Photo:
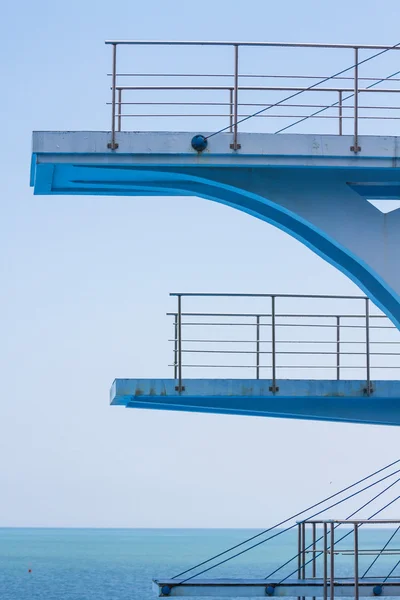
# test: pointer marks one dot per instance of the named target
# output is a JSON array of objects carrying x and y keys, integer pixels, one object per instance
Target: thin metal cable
[
  {"x": 283, "y": 530},
  {"x": 336, "y": 526},
  {"x": 334, "y": 104},
  {"x": 311, "y": 87},
  {"x": 394, "y": 568},
  {"x": 380, "y": 553},
  {"x": 288, "y": 519},
  {"x": 350, "y": 532}
]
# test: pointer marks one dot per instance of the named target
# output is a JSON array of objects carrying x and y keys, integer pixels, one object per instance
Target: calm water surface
[{"x": 111, "y": 564}]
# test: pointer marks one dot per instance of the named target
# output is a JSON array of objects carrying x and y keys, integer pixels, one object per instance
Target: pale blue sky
[{"x": 86, "y": 283}]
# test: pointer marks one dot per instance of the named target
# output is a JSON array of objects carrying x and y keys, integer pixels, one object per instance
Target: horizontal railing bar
[
  {"x": 298, "y": 353},
  {"x": 321, "y": 326},
  {"x": 252, "y": 88},
  {"x": 286, "y": 315},
  {"x": 355, "y": 367},
  {"x": 250, "y": 76},
  {"x": 268, "y": 116},
  {"x": 282, "y": 342},
  {"x": 354, "y": 521},
  {"x": 252, "y": 44},
  {"x": 257, "y": 104},
  {"x": 234, "y": 295}
]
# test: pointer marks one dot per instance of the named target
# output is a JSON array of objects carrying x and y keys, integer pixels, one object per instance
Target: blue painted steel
[
  {"x": 343, "y": 401},
  {"x": 377, "y": 590},
  {"x": 311, "y": 187}
]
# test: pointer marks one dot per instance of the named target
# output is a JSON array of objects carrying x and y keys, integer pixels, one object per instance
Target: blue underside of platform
[
  {"x": 165, "y": 164},
  {"x": 321, "y": 400}
]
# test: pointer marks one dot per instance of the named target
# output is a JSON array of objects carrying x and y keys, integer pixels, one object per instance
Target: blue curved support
[{"x": 308, "y": 186}]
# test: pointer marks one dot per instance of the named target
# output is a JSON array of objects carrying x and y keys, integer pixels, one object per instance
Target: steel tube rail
[
  {"x": 179, "y": 386},
  {"x": 368, "y": 365},
  {"x": 255, "y": 44},
  {"x": 258, "y": 347},
  {"x": 356, "y": 589},
  {"x": 266, "y": 88},
  {"x": 112, "y": 145},
  {"x": 332, "y": 562},
  {"x": 355, "y": 148},
  {"x": 235, "y": 145},
  {"x": 325, "y": 576}
]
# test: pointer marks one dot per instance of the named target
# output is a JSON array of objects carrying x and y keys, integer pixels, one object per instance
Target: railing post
[
  {"x": 235, "y": 145},
  {"x": 314, "y": 552},
  {"x": 175, "y": 345},
  {"x": 113, "y": 145},
  {"x": 355, "y": 148},
  {"x": 356, "y": 591},
  {"x": 179, "y": 388},
  {"x": 299, "y": 548},
  {"x": 367, "y": 347},
  {"x": 325, "y": 578},
  {"x": 119, "y": 108},
  {"x": 258, "y": 347},
  {"x": 230, "y": 110},
  {"x": 337, "y": 348},
  {"x": 340, "y": 112},
  {"x": 303, "y": 553},
  {"x": 332, "y": 565},
  {"x": 273, "y": 387}
]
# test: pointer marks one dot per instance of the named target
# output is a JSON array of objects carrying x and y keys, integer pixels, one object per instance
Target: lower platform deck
[
  {"x": 261, "y": 588},
  {"x": 322, "y": 400}
]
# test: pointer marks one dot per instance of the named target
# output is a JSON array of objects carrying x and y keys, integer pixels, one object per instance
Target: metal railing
[
  {"x": 236, "y": 96},
  {"x": 283, "y": 336},
  {"x": 319, "y": 539}
]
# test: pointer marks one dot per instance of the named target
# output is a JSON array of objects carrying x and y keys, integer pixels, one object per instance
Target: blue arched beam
[
  {"x": 343, "y": 401},
  {"x": 124, "y": 180},
  {"x": 134, "y": 181}
]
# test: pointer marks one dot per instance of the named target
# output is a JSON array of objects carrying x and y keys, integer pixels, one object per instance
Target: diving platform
[
  {"x": 319, "y": 573},
  {"x": 260, "y": 588},
  {"x": 313, "y": 154},
  {"x": 319, "y": 400},
  {"x": 327, "y": 358}
]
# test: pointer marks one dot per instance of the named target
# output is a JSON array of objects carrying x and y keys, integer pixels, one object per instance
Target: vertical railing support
[
  {"x": 325, "y": 577},
  {"x": 180, "y": 388},
  {"x": 113, "y": 145},
  {"x": 175, "y": 345},
  {"x": 235, "y": 145},
  {"x": 340, "y": 104},
  {"x": 356, "y": 590},
  {"x": 314, "y": 551},
  {"x": 299, "y": 551},
  {"x": 368, "y": 389},
  {"x": 303, "y": 553},
  {"x": 355, "y": 148},
  {"x": 119, "y": 109},
  {"x": 332, "y": 563},
  {"x": 337, "y": 348},
  {"x": 258, "y": 347},
  {"x": 230, "y": 110},
  {"x": 273, "y": 387}
]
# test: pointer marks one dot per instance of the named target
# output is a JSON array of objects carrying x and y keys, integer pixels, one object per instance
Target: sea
[{"x": 119, "y": 564}]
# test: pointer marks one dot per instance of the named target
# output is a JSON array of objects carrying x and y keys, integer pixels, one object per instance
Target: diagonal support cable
[
  {"x": 336, "y": 526},
  {"x": 382, "y": 550},
  {"x": 265, "y": 531},
  {"x": 317, "y": 112},
  {"x": 280, "y": 532},
  {"x": 311, "y": 87}
]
